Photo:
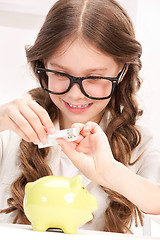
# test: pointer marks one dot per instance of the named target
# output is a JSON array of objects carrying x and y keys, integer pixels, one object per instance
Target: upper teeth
[{"x": 78, "y": 106}]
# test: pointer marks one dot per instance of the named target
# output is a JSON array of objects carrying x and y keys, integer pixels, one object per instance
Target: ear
[
  {"x": 28, "y": 186},
  {"x": 123, "y": 73},
  {"x": 76, "y": 184}
]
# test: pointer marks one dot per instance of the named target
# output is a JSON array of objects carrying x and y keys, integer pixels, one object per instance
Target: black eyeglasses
[{"x": 93, "y": 87}]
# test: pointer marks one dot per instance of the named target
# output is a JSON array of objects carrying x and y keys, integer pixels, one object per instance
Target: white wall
[
  {"x": 19, "y": 25},
  {"x": 20, "y": 22},
  {"x": 148, "y": 33}
]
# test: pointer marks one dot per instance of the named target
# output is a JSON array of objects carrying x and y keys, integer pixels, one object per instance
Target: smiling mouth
[{"x": 79, "y": 106}]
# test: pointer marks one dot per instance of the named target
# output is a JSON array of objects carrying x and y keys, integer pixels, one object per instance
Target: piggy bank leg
[
  {"x": 40, "y": 227},
  {"x": 71, "y": 229}
]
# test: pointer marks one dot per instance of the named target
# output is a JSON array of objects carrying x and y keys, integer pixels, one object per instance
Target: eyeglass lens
[{"x": 97, "y": 88}]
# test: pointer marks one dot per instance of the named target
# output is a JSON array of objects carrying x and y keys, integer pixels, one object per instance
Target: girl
[{"x": 87, "y": 60}]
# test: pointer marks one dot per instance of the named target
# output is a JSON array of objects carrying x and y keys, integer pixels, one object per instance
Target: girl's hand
[
  {"x": 92, "y": 155},
  {"x": 91, "y": 152},
  {"x": 27, "y": 118}
]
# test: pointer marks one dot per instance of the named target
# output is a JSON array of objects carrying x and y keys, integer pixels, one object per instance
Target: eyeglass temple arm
[
  {"x": 38, "y": 64},
  {"x": 122, "y": 73}
]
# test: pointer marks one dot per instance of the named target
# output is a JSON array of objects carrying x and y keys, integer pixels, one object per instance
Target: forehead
[{"x": 81, "y": 54}]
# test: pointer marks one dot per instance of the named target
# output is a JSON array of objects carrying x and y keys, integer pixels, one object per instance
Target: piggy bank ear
[
  {"x": 27, "y": 187},
  {"x": 76, "y": 184}
]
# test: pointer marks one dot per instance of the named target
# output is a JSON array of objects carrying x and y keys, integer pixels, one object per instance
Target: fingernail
[
  {"x": 52, "y": 130},
  {"x": 44, "y": 140},
  {"x": 86, "y": 127},
  {"x": 37, "y": 141}
]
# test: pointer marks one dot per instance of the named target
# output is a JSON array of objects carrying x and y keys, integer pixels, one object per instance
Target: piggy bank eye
[{"x": 84, "y": 189}]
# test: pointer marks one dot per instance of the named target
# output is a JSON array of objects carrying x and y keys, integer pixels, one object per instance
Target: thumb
[{"x": 68, "y": 148}]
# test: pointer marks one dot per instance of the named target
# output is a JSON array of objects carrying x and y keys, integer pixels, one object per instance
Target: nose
[{"x": 75, "y": 92}]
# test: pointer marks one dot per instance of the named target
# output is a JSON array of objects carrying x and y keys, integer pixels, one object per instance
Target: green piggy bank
[{"x": 58, "y": 202}]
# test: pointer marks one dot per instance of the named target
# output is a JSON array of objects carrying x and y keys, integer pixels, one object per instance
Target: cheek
[
  {"x": 54, "y": 98},
  {"x": 101, "y": 105}
]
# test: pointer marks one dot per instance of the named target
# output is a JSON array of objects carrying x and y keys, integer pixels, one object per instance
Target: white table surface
[{"x": 23, "y": 232}]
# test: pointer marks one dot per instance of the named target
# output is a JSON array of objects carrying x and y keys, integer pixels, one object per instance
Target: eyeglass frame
[{"x": 115, "y": 81}]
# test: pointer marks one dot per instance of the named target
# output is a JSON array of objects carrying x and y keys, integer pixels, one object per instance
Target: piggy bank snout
[{"x": 92, "y": 203}]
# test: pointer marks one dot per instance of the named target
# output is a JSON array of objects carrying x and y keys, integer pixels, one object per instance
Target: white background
[{"x": 20, "y": 21}]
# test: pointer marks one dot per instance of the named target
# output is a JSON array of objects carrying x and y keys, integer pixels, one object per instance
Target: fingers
[
  {"x": 91, "y": 127},
  {"x": 86, "y": 129},
  {"x": 79, "y": 127},
  {"x": 35, "y": 120},
  {"x": 43, "y": 116},
  {"x": 21, "y": 126},
  {"x": 68, "y": 148},
  {"x": 28, "y": 119},
  {"x": 16, "y": 129},
  {"x": 31, "y": 119}
]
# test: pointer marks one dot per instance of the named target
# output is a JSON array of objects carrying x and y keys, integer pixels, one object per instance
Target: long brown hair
[{"x": 105, "y": 25}]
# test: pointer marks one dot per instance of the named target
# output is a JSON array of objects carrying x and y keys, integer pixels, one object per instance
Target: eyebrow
[{"x": 88, "y": 70}]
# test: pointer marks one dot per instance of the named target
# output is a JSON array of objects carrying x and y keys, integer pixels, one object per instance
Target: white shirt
[{"x": 148, "y": 166}]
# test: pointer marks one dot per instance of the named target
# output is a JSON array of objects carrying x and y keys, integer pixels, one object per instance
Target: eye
[{"x": 59, "y": 73}]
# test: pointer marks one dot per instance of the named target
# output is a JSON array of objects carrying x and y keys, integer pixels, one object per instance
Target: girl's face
[{"x": 80, "y": 59}]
